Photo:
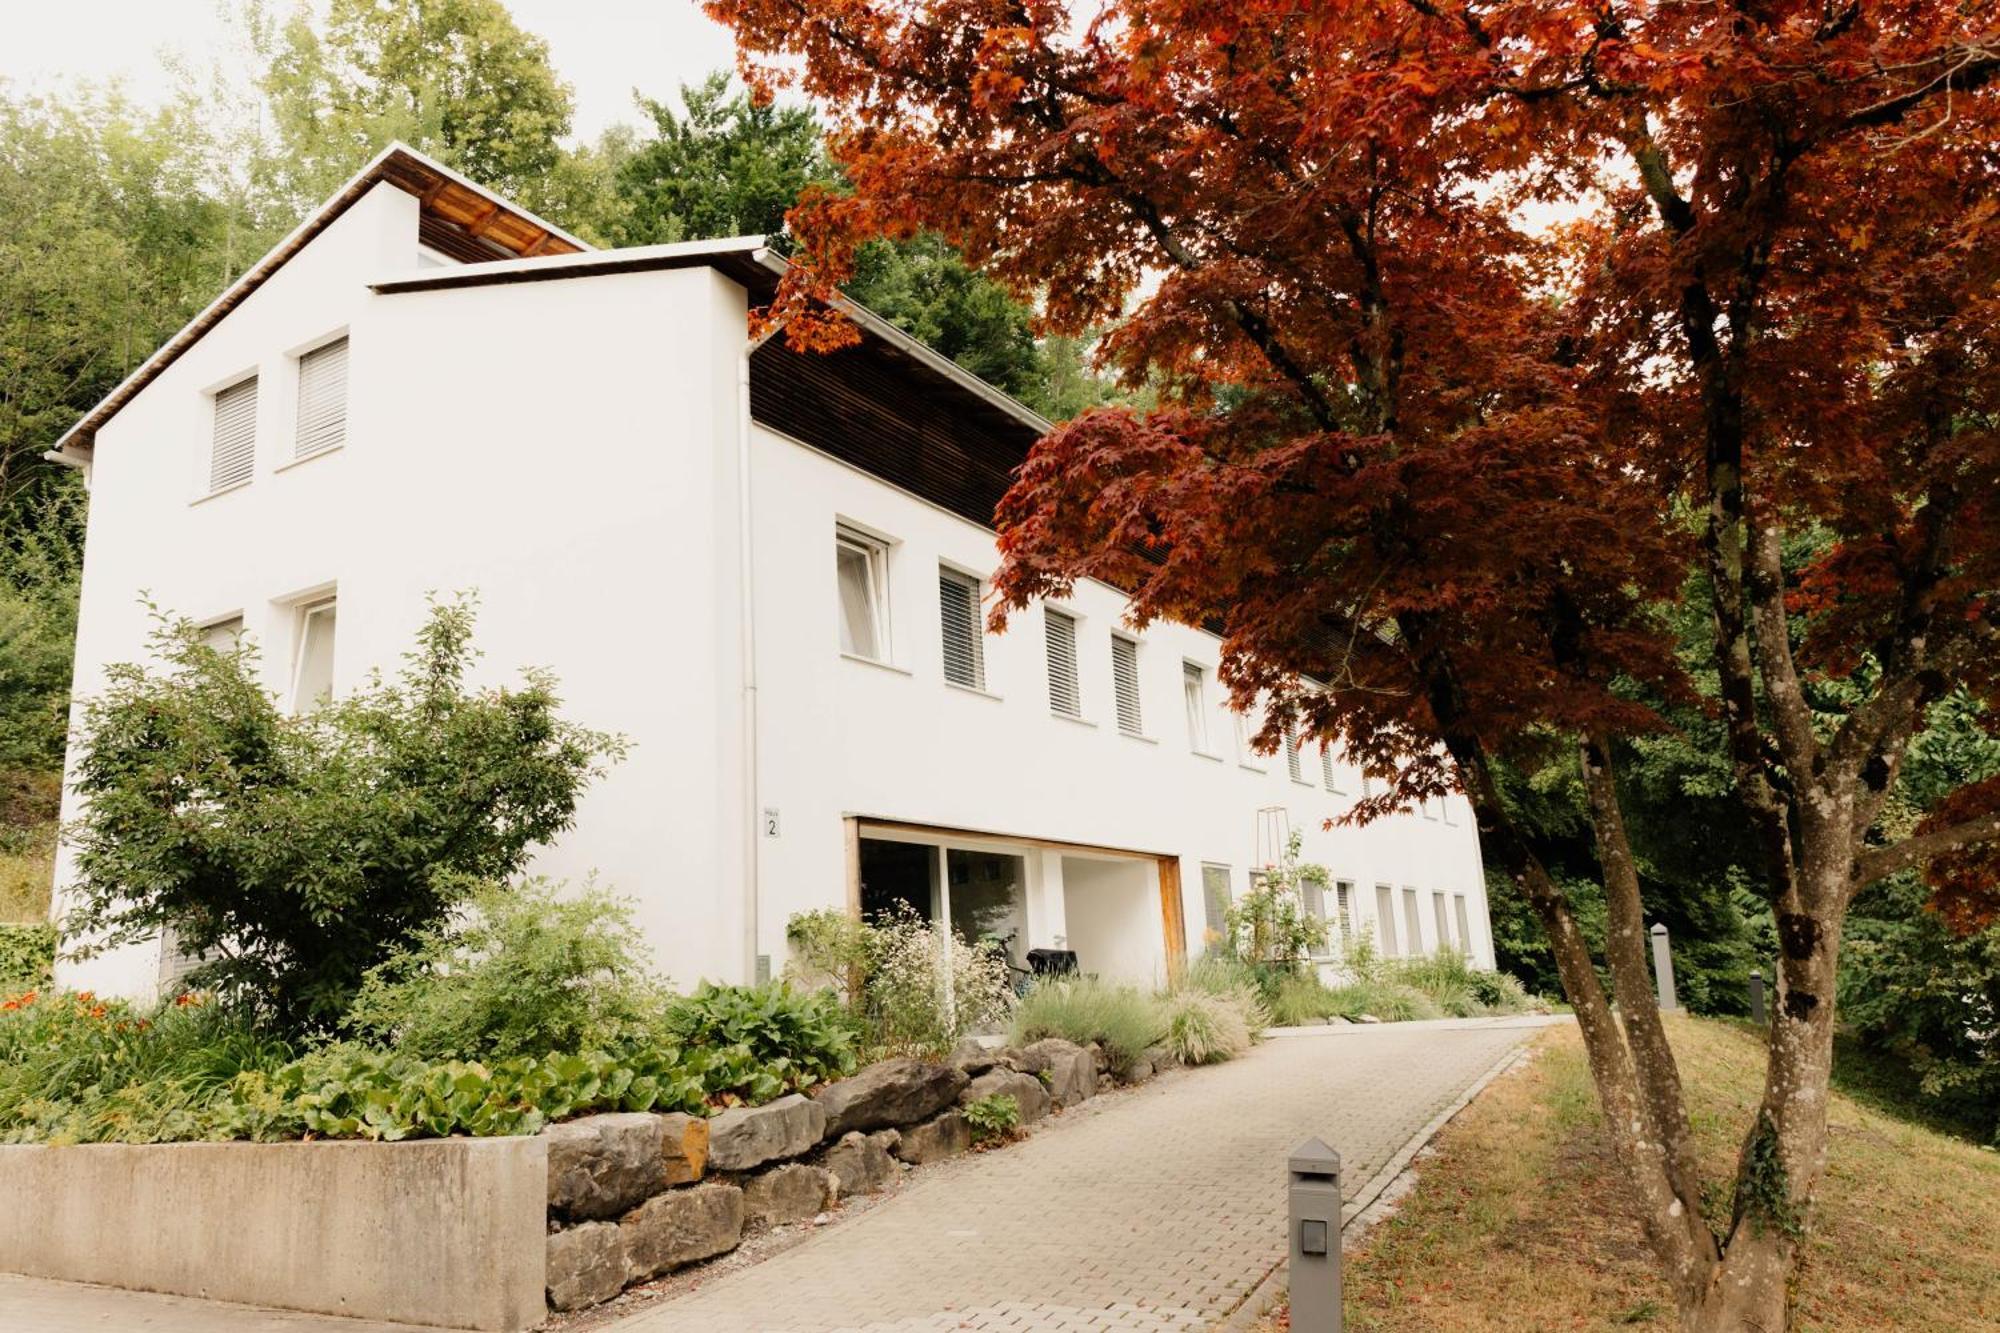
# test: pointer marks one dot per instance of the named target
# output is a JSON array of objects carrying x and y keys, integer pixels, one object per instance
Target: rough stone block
[
  {"x": 861, "y": 1164},
  {"x": 974, "y": 1057},
  {"x": 604, "y": 1165},
  {"x": 784, "y": 1194},
  {"x": 586, "y": 1265},
  {"x": 746, "y": 1137},
  {"x": 1072, "y": 1073},
  {"x": 672, "y": 1230},
  {"x": 940, "y": 1137},
  {"x": 1030, "y": 1097},
  {"x": 684, "y": 1142},
  {"x": 893, "y": 1092}
]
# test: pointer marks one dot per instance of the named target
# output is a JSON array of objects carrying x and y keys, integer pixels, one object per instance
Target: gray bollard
[
  {"x": 1315, "y": 1240},
  {"x": 1663, "y": 969},
  {"x": 1757, "y": 1014}
]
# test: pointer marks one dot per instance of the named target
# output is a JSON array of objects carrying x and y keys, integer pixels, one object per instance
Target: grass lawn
[{"x": 1515, "y": 1223}]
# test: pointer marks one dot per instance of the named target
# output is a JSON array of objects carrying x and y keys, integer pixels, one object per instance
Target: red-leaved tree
[{"x": 1477, "y": 327}]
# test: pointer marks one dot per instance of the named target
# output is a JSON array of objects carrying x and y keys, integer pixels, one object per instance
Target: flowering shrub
[{"x": 922, "y": 993}]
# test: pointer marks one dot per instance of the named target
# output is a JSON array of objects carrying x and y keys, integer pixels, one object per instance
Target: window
[
  {"x": 312, "y": 665},
  {"x": 1292, "y": 763},
  {"x": 1328, "y": 777},
  {"x": 1464, "y": 925},
  {"x": 1245, "y": 753},
  {"x": 1413, "y": 925},
  {"x": 1125, "y": 685},
  {"x": 1065, "y": 694},
  {"x": 1343, "y": 905},
  {"x": 1312, "y": 896},
  {"x": 1431, "y": 805},
  {"x": 861, "y": 567},
  {"x": 233, "y": 454},
  {"x": 1443, "y": 921},
  {"x": 1195, "y": 693},
  {"x": 964, "y": 651},
  {"x": 1385, "y": 919},
  {"x": 322, "y": 400},
  {"x": 222, "y": 634},
  {"x": 1215, "y": 899},
  {"x": 1450, "y": 811}
]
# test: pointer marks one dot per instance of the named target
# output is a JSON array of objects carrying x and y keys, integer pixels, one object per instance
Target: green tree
[
  {"x": 297, "y": 852},
  {"x": 722, "y": 166},
  {"x": 458, "y": 79}
]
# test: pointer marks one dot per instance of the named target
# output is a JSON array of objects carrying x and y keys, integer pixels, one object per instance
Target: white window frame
[
  {"x": 874, "y": 552},
  {"x": 1246, "y": 754},
  {"x": 1194, "y": 696},
  {"x": 1328, "y": 771},
  {"x": 302, "y": 619},
  {"x": 975, "y": 589},
  {"x": 1463, "y": 910},
  {"x": 1413, "y": 920},
  {"x": 1294, "y": 761},
  {"x": 1442, "y": 911},
  {"x": 1133, "y": 725},
  {"x": 1386, "y": 934},
  {"x": 1218, "y": 923}
]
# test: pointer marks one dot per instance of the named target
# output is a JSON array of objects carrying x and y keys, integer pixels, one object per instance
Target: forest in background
[{"x": 118, "y": 222}]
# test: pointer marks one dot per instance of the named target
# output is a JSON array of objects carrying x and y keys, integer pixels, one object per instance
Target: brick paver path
[{"x": 1157, "y": 1209}]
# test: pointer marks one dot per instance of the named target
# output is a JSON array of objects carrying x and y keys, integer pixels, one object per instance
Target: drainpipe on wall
[{"x": 746, "y": 585}]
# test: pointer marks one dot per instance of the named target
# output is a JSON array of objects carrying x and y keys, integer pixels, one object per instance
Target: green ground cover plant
[{"x": 993, "y": 1119}]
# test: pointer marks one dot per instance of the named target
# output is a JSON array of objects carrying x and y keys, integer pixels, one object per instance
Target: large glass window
[{"x": 861, "y": 568}]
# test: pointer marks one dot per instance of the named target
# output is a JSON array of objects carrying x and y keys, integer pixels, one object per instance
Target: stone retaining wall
[
  {"x": 634, "y": 1196},
  {"x": 448, "y": 1232}
]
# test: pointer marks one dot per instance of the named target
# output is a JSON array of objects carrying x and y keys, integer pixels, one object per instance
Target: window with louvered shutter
[
  {"x": 1292, "y": 763},
  {"x": 1443, "y": 921},
  {"x": 1065, "y": 695},
  {"x": 1125, "y": 685},
  {"x": 1343, "y": 897},
  {"x": 1385, "y": 919},
  {"x": 964, "y": 653},
  {"x": 1464, "y": 925},
  {"x": 233, "y": 455},
  {"x": 1413, "y": 925},
  {"x": 1194, "y": 691},
  {"x": 322, "y": 399}
]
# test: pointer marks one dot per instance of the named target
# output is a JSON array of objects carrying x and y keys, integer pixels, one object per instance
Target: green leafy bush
[
  {"x": 829, "y": 948},
  {"x": 27, "y": 952},
  {"x": 303, "y": 850},
  {"x": 921, "y": 994},
  {"x": 524, "y": 971},
  {"x": 795, "y": 1037},
  {"x": 993, "y": 1118},
  {"x": 1122, "y": 1020},
  {"x": 1269, "y": 926},
  {"x": 1205, "y": 1028}
]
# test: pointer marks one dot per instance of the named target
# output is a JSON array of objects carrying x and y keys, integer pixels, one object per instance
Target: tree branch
[{"x": 1885, "y": 861}]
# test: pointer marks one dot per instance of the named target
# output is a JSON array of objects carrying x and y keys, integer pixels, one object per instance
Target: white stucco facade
[{"x": 579, "y": 453}]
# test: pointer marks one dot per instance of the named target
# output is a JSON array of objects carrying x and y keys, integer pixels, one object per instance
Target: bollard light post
[
  {"x": 1757, "y": 1014},
  {"x": 1315, "y": 1241},
  {"x": 1663, "y": 969}
]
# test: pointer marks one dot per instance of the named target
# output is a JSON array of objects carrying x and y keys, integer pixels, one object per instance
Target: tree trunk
[{"x": 1748, "y": 1292}]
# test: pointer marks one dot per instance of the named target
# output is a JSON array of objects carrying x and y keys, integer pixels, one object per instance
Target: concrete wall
[{"x": 448, "y": 1232}]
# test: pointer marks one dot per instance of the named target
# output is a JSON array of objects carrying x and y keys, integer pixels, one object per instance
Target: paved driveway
[{"x": 1153, "y": 1210}]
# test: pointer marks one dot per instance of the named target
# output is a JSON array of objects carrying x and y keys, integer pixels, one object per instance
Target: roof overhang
[{"x": 458, "y": 217}]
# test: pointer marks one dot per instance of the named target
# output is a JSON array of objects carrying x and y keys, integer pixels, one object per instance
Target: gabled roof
[{"x": 459, "y": 218}]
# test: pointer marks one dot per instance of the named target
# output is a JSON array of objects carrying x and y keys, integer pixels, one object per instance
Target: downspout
[{"x": 746, "y": 576}]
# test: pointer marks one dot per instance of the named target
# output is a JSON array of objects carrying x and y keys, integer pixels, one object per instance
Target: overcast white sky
[{"x": 604, "y": 48}]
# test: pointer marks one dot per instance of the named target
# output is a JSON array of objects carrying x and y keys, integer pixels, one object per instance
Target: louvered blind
[
  {"x": 1292, "y": 755},
  {"x": 1326, "y": 772},
  {"x": 964, "y": 655},
  {"x": 1125, "y": 685},
  {"x": 234, "y": 454},
  {"x": 322, "y": 399},
  {"x": 1385, "y": 919},
  {"x": 1064, "y": 694}
]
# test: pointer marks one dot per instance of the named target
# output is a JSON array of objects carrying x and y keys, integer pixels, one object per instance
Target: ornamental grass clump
[
  {"x": 1122, "y": 1020},
  {"x": 1205, "y": 1028}
]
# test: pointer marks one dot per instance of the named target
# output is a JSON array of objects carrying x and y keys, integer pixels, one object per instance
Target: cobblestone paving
[{"x": 1157, "y": 1209}]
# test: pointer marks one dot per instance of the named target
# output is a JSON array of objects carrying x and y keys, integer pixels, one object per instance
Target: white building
[{"x": 763, "y": 568}]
